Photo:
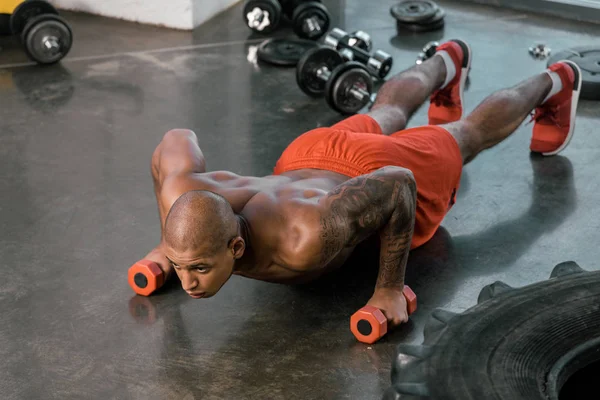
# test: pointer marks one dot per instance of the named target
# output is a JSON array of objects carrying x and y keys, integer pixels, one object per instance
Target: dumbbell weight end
[{"x": 369, "y": 324}]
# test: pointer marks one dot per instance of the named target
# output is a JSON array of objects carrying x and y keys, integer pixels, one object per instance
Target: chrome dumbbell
[
  {"x": 428, "y": 51},
  {"x": 346, "y": 85},
  {"x": 378, "y": 64},
  {"x": 262, "y": 16}
]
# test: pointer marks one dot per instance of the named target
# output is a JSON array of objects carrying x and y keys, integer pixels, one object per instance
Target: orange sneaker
[
  {"x": 446, "y": 105},
  {"x": 555, "y": 119}
]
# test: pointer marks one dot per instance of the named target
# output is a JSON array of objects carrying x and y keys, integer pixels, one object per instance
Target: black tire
[{"x": 515, "y": 344}]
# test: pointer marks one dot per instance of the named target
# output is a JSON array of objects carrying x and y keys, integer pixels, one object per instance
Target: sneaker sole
[
  {"x": 464, "y": 71},
  {"x": 574, "y": 101}
]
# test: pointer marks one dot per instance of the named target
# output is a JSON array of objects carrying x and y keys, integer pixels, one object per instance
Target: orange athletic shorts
[{"x": 356, "y": 146}]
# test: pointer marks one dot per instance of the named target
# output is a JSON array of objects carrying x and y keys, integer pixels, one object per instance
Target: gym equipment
[
  {"x": 310, "y": 19},
  {"x": 262, "y": 16},
  {"x": 540, "y": 51},
  {"x": 588, "y": 60},
  {"x": 427, "y": 52},
  {"x": 362, "y": 40},
  {"x": 284, "y": 52},
  {"x": 145, "y": 277},
  {"x": 26, "y": 11},
  {"x": 414, "y": 11},
  {"x": 46, "y": 36},
  {"x": 524, "y": 343},
  {"x": 418, "y": 16},
  {"x": 369, "y": 324},
  {"x": 379, "y": 64},
  {"x": 347, "y": 86}
]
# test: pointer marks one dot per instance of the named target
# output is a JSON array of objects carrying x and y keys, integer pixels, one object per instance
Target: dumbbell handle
[
  {"x": 359, "y": 94},
  {"x": 311, "y": 24},
  {"x": 51, "y": 43}
]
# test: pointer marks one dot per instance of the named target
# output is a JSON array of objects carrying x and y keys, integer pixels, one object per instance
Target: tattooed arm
[{"x": 383, "y": 203}]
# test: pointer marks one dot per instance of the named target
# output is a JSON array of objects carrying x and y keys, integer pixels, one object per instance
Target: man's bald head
[{"x": 200, "y": 219}]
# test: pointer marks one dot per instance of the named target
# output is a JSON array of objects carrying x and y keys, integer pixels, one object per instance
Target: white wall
[
  {"x": 206, "y": 9},
  {"x": 179, "y": 14}
]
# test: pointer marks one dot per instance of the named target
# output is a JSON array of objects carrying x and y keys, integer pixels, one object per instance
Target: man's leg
[
  {"x": 554, "y": 93},
  {"x": 443, "y": 75}
]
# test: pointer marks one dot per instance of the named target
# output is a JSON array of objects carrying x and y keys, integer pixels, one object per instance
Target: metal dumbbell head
[
  {"x": 380, "y": 64},
  {"x": 428, "y": 51},
  {"x": 262, "y": 16},
  {"x": 349, "y": 88},
  {"x": 430, "y": 48},
  {"x": 361, "y": 40},
  {"x": 47, "y": 38},
  {"x": 311, "y": 20},
  {"x": 314, "y": 68},
  {"x": 334, "y": 37}
]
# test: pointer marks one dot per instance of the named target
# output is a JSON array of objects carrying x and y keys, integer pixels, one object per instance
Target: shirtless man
[{"x": 335, "y": 187}]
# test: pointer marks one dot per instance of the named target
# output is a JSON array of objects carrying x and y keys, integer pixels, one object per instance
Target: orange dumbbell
[
  {"x": 145, "y": 277},
  {"x": 369, "y": 324}
]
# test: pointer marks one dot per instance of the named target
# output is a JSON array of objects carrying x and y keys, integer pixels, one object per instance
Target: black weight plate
[
  {"x": 27, "y": 10},
  {"x": 410, "y": 11},
  {"x": 342, "y": 79},
  {"x": 306, "y": 12},
  {"x": 588, "y": 60},
  {"x": 310, "y": 63},
  {"x": 284, "y": 52},
  {"x": 439, "y": 24},
  {"x": 42, "y": 29},
  {"x": 274, "y": 14}
]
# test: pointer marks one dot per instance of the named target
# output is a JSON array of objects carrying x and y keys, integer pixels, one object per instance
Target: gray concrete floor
[{"x": 77, "y": 208}]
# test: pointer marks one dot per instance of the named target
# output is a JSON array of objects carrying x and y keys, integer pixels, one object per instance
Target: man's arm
[
  {"x": 384, "y": 203},
  {"x": 176, "y": 157}
]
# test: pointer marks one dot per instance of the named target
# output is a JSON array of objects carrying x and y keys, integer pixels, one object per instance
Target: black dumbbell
[
  {"x": 262, "y": 16},
  {"x": 47, "y": 38},
  {"x": 347, "y": 86},
  {"x": 310, "y": 19},
  {"x": 379, "y": 64}
]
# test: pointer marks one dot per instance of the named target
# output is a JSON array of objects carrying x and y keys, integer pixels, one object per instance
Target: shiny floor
[{"x": 77, "y": 208}]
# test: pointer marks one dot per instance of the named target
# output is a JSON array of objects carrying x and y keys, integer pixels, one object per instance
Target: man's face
[{"x": 202, "y": 273}]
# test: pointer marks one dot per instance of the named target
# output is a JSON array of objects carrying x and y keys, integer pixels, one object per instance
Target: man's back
[{"x": 281, "y": 214}]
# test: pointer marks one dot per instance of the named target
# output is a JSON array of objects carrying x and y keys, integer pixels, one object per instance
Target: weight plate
[
  {"x": 262, "y": 16},
  {"x": 312, "y": 61},
  {"x": 420, "y": 27},
  {"x": 588, "y": 60},
  {"x": 27, "y": 10},
  {"x": 311, "y": 20},
  {"x": 343, "y": 79},
  {"x": 47, "y": 38},
  {"x": 284, "y": 52},
  {"x": 410, "y": 11}
]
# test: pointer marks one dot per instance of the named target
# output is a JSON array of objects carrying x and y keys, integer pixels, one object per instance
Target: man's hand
[
  {"x": 158, "y": 256},
  {"x": 392, "y": 304}
]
